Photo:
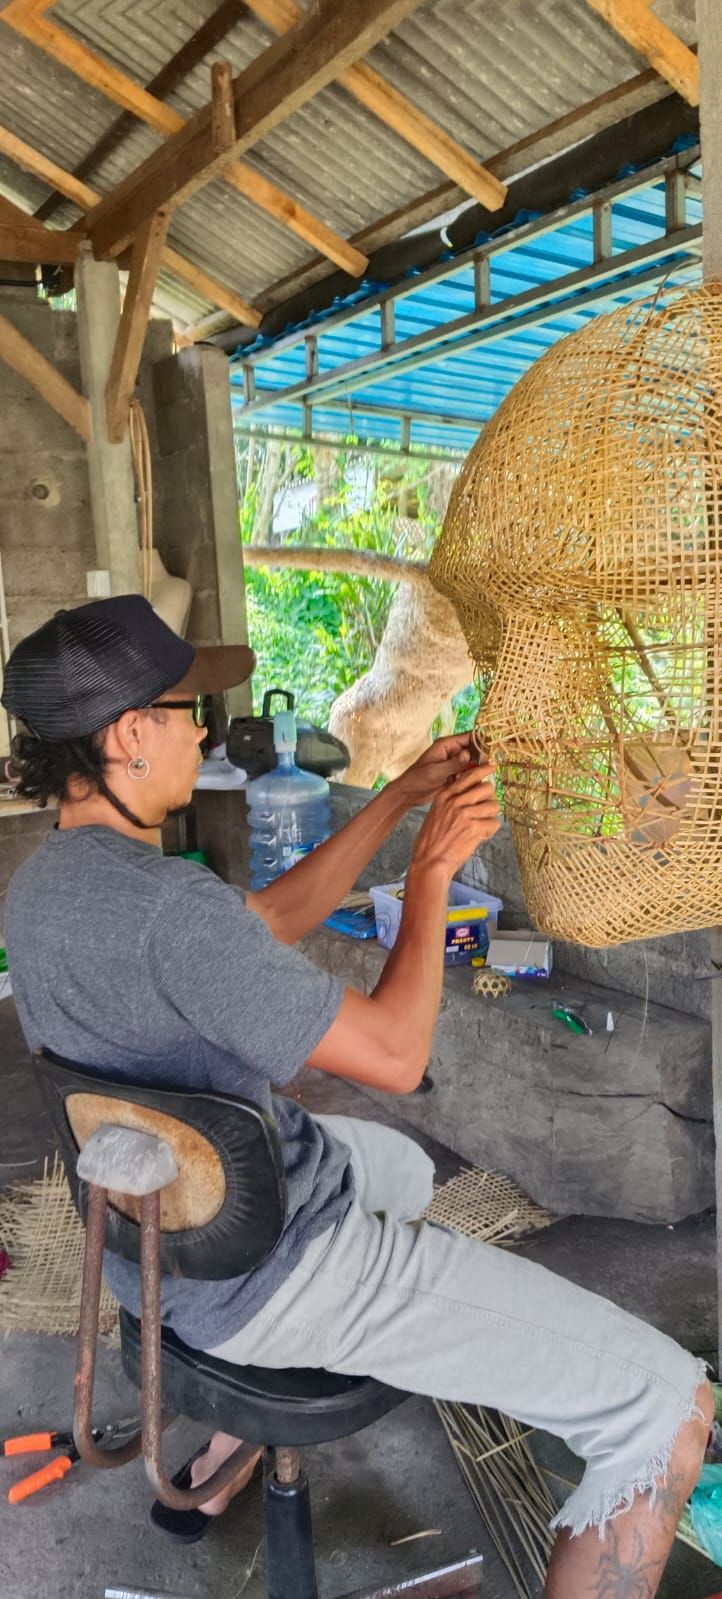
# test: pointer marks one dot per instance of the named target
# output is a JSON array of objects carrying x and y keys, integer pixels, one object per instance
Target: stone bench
[{"x": 616, "y": 1124}]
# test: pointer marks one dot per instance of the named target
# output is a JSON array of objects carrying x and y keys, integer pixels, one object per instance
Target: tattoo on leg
[
  {"x": 671, "y": 1496},
  {"x": 626, "y": 1576}
]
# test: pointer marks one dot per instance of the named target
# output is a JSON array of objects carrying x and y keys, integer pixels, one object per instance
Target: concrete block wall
[
  {"x": 46, "y": 530},
  {"x": 614, "y": 1124},
  {"x": 196, "y": 500},
  {"x": 47, "y": 539}
]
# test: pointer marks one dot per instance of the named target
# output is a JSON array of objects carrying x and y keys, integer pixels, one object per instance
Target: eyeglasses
[{"x": 200, "y": 707}]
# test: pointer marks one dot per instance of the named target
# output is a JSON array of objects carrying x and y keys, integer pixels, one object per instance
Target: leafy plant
[{"x": 317, "y": 632}]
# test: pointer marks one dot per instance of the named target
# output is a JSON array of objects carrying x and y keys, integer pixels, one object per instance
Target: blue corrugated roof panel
[{"x": 464, "y": 385}]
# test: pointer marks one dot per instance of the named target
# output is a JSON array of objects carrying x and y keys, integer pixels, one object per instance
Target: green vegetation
[{"x": 318, "y": 632}]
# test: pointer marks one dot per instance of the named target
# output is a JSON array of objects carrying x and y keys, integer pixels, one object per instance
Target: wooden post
[
  {"x": 112, "y": 491},
  {"x": 709, "y": 20},
  {"x": 144, "y": 263}
]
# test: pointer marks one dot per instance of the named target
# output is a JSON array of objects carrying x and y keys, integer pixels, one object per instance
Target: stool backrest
[{"x": 224, "y": 1212}]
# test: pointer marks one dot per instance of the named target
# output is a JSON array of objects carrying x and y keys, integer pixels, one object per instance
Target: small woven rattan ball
[{"x": 491, "y": 984}]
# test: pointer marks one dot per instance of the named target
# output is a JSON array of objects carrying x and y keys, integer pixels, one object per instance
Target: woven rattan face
[{"x": 583, "y": 551}]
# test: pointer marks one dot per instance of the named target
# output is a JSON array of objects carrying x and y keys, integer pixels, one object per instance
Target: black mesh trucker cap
[{"x": 84, "y": 668}]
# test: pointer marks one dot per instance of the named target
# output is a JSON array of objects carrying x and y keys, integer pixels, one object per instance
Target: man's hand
[
  {"x": 443, "y": 761},
  {"x": 463, "y": 815}
]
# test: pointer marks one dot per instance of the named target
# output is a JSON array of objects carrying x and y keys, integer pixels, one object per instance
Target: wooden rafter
[
  {"x": 21, "y": 355},
  {"x": 23, "y": 238},
  {"x": 635, "y": 21},
  {"x": 223, "y": 111},
  {"x": 10, "y": 213},
  {"x": 397, "y": 112},
  {"x": 208, "y": 287},
  {"x": 19, "y": 243},
  {"x": 32, "y": 160},
  {"x": 144, "y": 263},
  {"x": 284, "y": 78},
  {"x": 586, "y": 121},
  {"x": 81, "y": 194},
  {"x": 28, "y": 18},
  {"x": 196, "y": 48}
]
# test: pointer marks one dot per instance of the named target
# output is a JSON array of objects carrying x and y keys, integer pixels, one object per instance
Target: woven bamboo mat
[
  {"x": 42, "y": 1234},
  {"x": 487, "y": 1206}
]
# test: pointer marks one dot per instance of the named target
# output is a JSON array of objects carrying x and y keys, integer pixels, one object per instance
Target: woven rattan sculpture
[{"x": 587, "y": 522}]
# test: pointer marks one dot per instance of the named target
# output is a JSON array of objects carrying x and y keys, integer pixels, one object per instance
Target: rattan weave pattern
[{"x": 583, "y": 551}]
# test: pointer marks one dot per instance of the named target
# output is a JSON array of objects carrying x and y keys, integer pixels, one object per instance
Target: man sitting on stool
[{"x": 150, "y": 969}]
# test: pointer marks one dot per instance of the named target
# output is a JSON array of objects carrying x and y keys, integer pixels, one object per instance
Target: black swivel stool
[{"x": 192, "y": 1184}]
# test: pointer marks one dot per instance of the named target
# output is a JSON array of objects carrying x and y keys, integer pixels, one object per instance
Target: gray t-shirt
[{"x": 149, "y": 968}]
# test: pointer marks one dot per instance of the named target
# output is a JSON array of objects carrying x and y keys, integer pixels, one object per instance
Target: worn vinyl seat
[{"x": 286, "y": 1408}]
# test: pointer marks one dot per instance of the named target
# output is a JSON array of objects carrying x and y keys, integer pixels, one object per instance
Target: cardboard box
[{"x": 521, "y": 953}]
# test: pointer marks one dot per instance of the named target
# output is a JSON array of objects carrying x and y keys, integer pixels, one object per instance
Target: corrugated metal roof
[
  {"x": 488, "y": 71},
  {"x": 543, "y": 286}
]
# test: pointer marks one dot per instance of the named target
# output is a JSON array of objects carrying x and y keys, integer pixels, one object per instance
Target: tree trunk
[
  {"x": 267, "y": 487},
  {"x": 385, "y": 719}
]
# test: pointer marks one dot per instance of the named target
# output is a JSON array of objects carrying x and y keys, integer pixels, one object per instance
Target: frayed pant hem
[{"x": 584, "y": 1508}]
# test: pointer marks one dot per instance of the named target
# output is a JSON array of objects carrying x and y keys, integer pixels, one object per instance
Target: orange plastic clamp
[
  {"x": 34, "y": 1443},
  {"x": 54, "y": 1472}
]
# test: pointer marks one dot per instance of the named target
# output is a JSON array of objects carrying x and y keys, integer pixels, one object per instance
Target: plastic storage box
[{"x": 472, "y": 917}]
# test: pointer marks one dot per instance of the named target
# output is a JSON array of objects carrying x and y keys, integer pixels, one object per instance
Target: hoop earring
[{"x": 138, "y": 769}]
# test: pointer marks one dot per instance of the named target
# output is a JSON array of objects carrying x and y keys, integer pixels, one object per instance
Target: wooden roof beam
[
  {"x": 22, "y": 238},
  {"x": 18, "y": 243},
  {"x": 209, "y": 288},
  {"x": 144, "y": 264},
  {"x": 21, "y": 355},
  {"x": 548, "y": 143},
  {"x": 279, "y": 82},
  {"x": 636, "y": 23},
  {"x": 27, "y": 18},
  {"x": 206, "y": 38},
  {"x": 394, "y": 109},
  {"x": 82, "y": 195},
  {"x": 33, "y": 161}
]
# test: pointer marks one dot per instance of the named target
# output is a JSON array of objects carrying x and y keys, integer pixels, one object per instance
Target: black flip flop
[{"x": 183, "y": 1526}]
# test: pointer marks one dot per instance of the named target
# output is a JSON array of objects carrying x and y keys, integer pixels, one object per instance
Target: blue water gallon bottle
[{"x": 288, "y": 809}]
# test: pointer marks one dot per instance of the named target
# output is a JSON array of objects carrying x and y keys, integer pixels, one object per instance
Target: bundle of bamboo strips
[{"x": 507, "y": 1486}]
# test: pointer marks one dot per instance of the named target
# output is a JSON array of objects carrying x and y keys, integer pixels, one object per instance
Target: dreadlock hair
[{"x": 41, "y": 769}]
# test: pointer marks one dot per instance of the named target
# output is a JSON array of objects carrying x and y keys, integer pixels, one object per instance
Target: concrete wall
[
  {"x": 46, "y": 531},
  {"x": 613, "y": 1124},
  {"x": 674, "y": 971},
  {"x": 47, "y": 538},
  {"x": 196, "y": 501}
]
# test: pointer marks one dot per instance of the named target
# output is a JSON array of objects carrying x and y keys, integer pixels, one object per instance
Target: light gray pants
[{"x": 433, "y": 1312}]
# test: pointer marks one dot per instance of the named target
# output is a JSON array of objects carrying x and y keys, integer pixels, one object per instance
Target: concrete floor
[{"x": 91, "y": 1531}]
